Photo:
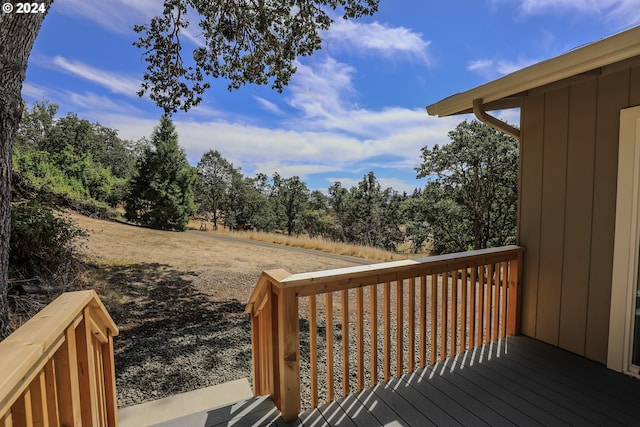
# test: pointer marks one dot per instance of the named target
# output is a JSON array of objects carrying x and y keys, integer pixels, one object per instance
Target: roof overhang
[{"x": 506, "y": 92}]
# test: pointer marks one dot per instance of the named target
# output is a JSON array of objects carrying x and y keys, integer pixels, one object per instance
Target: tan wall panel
[
  {"x": 579, "y": 205},
  {"x": 613, "y": 95},
  {"x": 552, "y": 215},
  {"x": 567, "y": 209},
  {"x": 531, "y": 149},
  {"x": 634, "y": 91}
]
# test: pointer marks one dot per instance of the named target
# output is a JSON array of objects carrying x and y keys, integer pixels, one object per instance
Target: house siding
[{"x": 568, "y": 174}]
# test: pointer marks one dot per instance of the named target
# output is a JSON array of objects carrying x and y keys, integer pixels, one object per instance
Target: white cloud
[
  {"x": 480, "y": 65},
  {"x": 268, "y": 106},
  {"x": 34, "y": 91},
  {"x": 321, "y": 89},
  {"x": 623, "y": 12},
  {"x": 297, "y": 152},
  {"x": 490, "y": 69},
  {"x": 380, "y": 39},
  {"x": 287, "y": 171},
  {"x": 90, "y": 105},
  {"x": 115, "y": 82},
  {"x": 117, "y": 16},
  {"x": 98, "y": 103}
]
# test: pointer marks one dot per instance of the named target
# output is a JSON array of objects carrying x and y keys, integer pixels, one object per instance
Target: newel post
[
  {"x": 515, "y": 279},
  {"x": 276, "y": 342},
  {"x": 288, "y": 354}
]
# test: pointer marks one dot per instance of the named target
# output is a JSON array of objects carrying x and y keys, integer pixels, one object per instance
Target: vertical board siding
[
  {"x": 552, "y": 214},
  {"x": 577, "y": 244},
  {"x": 613, "y": 95},
  {"x": 531, "y": 167},
  {"x": 634, "y": 87},
  {"x": 567, "y": 196}
]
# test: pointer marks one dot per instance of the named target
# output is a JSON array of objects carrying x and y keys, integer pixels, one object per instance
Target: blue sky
[{"x": 357, "y": 105}]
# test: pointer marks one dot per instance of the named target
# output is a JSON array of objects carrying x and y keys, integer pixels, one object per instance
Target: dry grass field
[{"x": 315, "y": 243}]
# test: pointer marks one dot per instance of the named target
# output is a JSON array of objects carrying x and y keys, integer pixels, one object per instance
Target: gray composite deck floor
[{"x": 521, "y": 382}]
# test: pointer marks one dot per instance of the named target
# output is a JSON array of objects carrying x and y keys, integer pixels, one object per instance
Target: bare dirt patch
[{"x": 178, "y": 299}]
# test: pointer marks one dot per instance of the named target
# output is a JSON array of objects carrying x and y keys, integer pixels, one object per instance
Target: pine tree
[{"x": 161, "y": 194}]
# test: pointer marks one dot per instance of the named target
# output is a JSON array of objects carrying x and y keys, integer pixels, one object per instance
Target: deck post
[
  {"x": 288, "y": 354},
  {"x": 515, "y": 275}
]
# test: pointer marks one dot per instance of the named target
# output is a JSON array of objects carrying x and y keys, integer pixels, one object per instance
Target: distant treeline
[{"x": 468, "y": 202}]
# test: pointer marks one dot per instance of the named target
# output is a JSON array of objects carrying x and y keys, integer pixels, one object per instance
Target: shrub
[{"x": 43, "y": 248}]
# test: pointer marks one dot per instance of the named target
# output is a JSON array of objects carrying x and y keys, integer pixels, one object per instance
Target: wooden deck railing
[
  {"x": 57, "y": 369},
  {"x": 450, "y": 303}
]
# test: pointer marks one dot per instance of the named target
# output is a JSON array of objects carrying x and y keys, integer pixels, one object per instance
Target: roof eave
[{"x": 607, "y": 51}]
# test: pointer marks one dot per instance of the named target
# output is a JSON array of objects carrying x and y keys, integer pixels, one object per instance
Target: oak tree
[{"x": 470, "y": 201}]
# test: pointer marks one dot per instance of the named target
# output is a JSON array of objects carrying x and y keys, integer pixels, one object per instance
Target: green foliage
[
  {"x": 256, "y": 43},
  {"x": 69, "y": 175},
  {"x": 371, "y": 214},
  {"x": 43, "y": 246},
  {"x": 471, "y": 198},
  {"x": 162, "y": 192},
  {"x": 413, "y": 210},
  {"x": 70, "y": 157},
  {"x": 293, "y": 195},
  {"x": 84, "y": 137},
  {"x": 36, "y": 124},
  {"x": 215, "y": 174}
]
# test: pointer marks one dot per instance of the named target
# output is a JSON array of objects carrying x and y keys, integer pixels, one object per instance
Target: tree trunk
[{"x": 17, "y": 35}]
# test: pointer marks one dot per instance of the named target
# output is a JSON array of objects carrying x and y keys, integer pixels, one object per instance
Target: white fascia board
[{"x": 607, "y": 51}]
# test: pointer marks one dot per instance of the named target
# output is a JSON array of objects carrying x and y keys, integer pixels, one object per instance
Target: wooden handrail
[
  {"x": 472, "y": 299},
  {"x": 58, "y": 368}
]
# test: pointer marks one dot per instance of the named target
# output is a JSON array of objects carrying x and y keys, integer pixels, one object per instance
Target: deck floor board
[
  {"x": 571, "y": 397},
  {"x": 545, "y": 400},
  {"x": 603, "y": 408},
  {"x": 524, "y": 382}
]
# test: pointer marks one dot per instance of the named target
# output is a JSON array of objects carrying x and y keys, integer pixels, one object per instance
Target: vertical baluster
[
  {"x": 373, "y": 297},
  {"x": 345, "y": 343},
  {"x": 434, "y": 317},
  {"x": 423, "y": 321},
  {"x": 329, "y": 342},
  {"x": 387, "y": 331},
  {"x": 66, "y": 365},
  {"x": 21, "y": 410},
  {"x": 39, "y": 406},
  {"x": 480, "y": 305},
  {"x": 443, "y": 315},
  {"x": 399, "y": 327},
  {"x": 487, "y": 311},
  {"x": 52, "y": 396},
  {"x": 496, "y": 304},
  {"x": 453, "y": 325},
  {"x": 313, "y": 351},
  {"x": 360, "y": 345},
  {"x": 412, "y": 323},
  {"x": 503, "y": 299},
  {"x": 100, "y": 376},
  {"x": 472, "y": 307},
  {"x": 463, "y": 311},
  {"x": 86, "y": 370},
  {"x": 7, "y": 420}
]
